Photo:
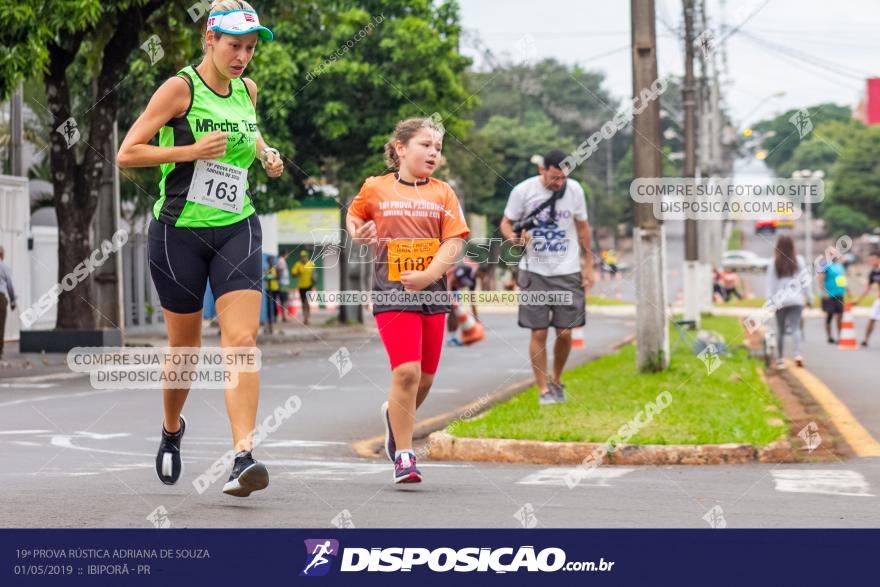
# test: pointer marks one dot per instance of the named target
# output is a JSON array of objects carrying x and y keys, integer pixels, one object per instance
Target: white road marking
[
  {"x": 98, "y": 436},
  {"x": 28, "y": 385},
  {"x": 341, "y": 470},
  {"x": 301, "y": 443},
  {"x": 11, "y": 432},
  {"x": 65, "y": 441},
  {"x": 215, "y": 441},
  {"x": 43, "y": 398},
  {"x": 42, "y": 378},
  {"x": 555, "y": 476},
  {"x": 823, "y": 481}
]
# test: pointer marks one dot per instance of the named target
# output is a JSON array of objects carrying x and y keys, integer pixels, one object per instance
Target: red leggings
[{"x": 412, "y": 336}]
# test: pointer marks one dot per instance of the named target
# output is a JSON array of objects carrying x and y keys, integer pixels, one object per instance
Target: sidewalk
[{"x": 285, "y": 339}]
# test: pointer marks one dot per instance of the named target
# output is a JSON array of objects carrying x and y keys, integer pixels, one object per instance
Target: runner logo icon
[{"x": 320, "y": 555}]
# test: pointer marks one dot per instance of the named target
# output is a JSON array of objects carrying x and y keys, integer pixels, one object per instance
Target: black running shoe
[
  {"x": 169, "y": 466},
  {"x": 247, "y": 476}
]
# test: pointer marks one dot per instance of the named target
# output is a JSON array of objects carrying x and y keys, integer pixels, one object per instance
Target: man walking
[
  {"x": 547, "y": 215},
  {"x": 7, "y": 296}
]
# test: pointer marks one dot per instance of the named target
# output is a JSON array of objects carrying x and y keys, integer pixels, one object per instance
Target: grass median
[
  {"x": 728, "y": 405},
  {"x": 759, "y": 302}
]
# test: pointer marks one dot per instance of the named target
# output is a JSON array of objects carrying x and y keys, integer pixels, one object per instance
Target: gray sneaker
[
  {"x": 558, "y": 391},
  {"x": 546, "y": 399}
]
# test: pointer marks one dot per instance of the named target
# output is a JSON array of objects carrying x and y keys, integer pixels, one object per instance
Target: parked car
[
  {"x": 741, "y": 260},
  {"x": 769, "y": 225},
  {"x": 765, "y": 226}
]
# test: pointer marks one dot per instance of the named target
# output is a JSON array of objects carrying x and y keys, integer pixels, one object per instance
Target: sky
[{"x": 840, "y": 39}]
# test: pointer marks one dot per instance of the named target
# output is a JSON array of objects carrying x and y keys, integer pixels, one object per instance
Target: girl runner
[
  {"x": 204, "y": 225},
  {"x": 417, "y": 226}
]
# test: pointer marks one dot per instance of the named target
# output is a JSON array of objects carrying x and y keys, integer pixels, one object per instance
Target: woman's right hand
[
  {"x": 366, "y": 233},
  {"x": 210, "y": 146}
]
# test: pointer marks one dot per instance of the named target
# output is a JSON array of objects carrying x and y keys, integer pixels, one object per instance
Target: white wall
[
  {"x": 44, "y": 271},
  {"x": 15, "y": 222},
  {"x": 269, "y": 224}
]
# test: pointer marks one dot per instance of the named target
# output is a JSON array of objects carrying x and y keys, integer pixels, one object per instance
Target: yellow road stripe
[{"x": 861, "y": 441}]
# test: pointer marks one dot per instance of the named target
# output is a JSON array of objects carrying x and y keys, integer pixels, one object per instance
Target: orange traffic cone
[
  {"x": 577, "y": 337},
  {"x": 471, "y": 329},
  {"x": 294, "y": 303},
  {"x": 847, "y": 329}
]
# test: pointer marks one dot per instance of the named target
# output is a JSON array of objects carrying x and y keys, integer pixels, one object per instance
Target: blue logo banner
[{"x": 193, "y": 558}]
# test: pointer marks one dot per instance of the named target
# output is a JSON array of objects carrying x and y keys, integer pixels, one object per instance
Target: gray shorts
[{"x": 541, "y": 317}]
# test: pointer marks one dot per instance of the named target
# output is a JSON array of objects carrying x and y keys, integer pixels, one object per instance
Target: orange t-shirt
[{"x": 411, "y": 220}]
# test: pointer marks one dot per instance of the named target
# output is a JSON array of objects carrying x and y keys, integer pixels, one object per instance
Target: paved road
[
  {"x": 81, "y": 458},
  {"x": 75, "y": 447},
  {"x": 851, "y": 374}
]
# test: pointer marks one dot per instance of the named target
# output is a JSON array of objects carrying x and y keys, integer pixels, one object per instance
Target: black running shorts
[{"x": 183, "y": 259}]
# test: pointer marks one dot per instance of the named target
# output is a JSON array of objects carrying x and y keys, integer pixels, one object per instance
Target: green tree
[
  {"x": 343, "y": 73},
  {"x": 841, "y": 219},
  {"x": 857, "y": 175},
  {"x": 782, "y": 136},
  {"x": 340, "y": 75},
  {"x": 511, "y": 144},
  {"x": 96, "y": 40}
]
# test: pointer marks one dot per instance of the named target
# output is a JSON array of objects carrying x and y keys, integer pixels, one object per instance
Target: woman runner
[
  {"x": 417, "y": 226},
  {"x": 204, "y": 226}
]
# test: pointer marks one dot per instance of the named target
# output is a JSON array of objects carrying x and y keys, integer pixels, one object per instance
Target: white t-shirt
[{"x": 552, "y": 250}]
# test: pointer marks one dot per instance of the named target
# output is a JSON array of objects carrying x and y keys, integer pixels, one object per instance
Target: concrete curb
[
  {"x": 372, "y": 448},
  {"x": 443, "y": 446}
]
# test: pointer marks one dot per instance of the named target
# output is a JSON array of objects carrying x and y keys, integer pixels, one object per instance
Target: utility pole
[
  {"x": 652, "y": 334},
  {"x": 709, "y": 153},
  {"x": 16, "y": 125},
  {"x": 609, "y": 189},
  {"x": 691, "y": 255}
]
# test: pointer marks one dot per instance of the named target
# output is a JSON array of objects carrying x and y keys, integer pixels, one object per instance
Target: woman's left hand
[
  {"x": 415, "y": 280},
  {"x": 273, "y": 164}
]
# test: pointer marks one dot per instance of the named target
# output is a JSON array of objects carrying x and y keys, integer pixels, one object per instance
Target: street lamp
[
  {"x": 760, "y": 104},
  {"x": 807, "y": 174}
]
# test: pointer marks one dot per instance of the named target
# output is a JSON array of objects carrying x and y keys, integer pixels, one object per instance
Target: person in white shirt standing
[
  {"x": 547, "y": 215},
  {"x": 788, "y": 289},
  {"x": 7, "y": 296}
]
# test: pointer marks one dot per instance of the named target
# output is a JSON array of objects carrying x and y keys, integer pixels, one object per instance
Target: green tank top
[{"x": 208, "y": 112}]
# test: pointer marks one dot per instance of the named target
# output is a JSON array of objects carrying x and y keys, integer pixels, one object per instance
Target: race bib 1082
[{"x": 410, "y": 255}]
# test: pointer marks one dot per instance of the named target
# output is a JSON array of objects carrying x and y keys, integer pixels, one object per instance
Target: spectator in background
[
  {"x": 7, "y": 295},
  {"x": 284, "y": 283},
  {"x": 788, "y": 293},
  {"x": 729, "y": 281},
  {"x": 549, "y": 212},
  {"x": 303, "y": 270},
  {"x": 832, "y": 276},
  {"x": 465, "y": 276},
  {"x": 717, "y": 290},
  {"x": 873, "y": 279},
  {"x": 272, "y": 289}
]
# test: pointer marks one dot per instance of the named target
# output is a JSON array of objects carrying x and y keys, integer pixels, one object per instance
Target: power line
[
  {"x": 833, "y": 67},
  {"x": 801, "y": 65}
]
